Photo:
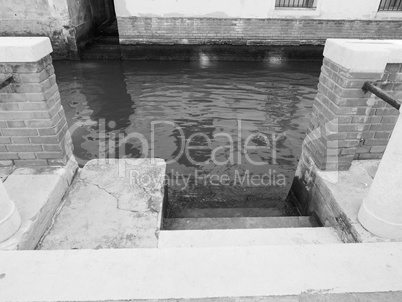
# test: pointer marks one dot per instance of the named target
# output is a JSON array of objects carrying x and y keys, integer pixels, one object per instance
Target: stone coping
[
  {"x": 194, "y": 273},
  {"x": 24, "y": 49},
  {"x": 357, "y": 55}
]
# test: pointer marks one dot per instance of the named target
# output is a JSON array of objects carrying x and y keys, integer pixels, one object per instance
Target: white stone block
[
  {"x": 363, "y": 55},
  {"x": 24, "y": 49}
]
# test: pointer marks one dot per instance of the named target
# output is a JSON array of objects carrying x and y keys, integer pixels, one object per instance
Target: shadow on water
[{"x": 199, "y": 116}]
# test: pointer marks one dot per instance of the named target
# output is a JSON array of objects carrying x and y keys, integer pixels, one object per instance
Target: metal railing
[
  {"x": 390, "y": 5},
  {"x": 295, "y": 3},
  {"x": 373, "y": 88}
]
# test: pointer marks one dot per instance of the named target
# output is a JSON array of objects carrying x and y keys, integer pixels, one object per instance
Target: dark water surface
[{"x": 203, "y": 114}]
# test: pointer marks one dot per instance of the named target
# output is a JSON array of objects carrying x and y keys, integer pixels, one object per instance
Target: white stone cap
[
  {"x": 24, "y": 49},
  {"x": 363, "y": 55}
]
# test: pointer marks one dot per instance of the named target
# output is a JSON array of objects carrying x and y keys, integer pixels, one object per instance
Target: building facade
[
  {"x": 70, "y": 24},
  {"x": 256, "y": 22}
]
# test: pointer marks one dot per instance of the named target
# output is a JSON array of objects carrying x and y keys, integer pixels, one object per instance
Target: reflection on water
[{"x": 225, "y": 127}]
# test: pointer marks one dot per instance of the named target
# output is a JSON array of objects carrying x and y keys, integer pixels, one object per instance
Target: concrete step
[
  {"x": 227, "y": 212},
  {"x": 239, "y": 223},
  {"x": 250, "y": 237},
  {"x": 224, "y": 273}
]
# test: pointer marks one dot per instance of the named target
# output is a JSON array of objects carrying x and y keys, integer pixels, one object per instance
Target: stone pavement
[{"x": 311, "y": 272}]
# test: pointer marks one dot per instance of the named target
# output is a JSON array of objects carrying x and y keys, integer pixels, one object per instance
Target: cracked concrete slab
[{"x": 111, "y": 204}]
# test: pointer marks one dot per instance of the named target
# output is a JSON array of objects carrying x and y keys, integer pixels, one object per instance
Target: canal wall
[
  {"x": 68, "y": 23},
  {"x": 251, "y": 22}
]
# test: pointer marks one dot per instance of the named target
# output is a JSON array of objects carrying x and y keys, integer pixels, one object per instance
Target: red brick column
[
  {"x": 346, "y": 123},
  {"x": 33, "y": 126}
]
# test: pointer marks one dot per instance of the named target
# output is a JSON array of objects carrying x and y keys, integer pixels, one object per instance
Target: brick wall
[
  {"x": 137, "y": 30},
  {"x": 347, "y": 123},
  {"x": 33, "y": 127}
]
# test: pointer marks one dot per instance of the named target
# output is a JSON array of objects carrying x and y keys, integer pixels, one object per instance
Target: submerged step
[
  {"x": 250, "y": 237},
  {"x": 227, "y": 212},
  {"x": 239, "y": 223}
]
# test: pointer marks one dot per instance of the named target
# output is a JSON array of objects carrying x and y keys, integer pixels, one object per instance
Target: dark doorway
[{"x": 105, "y": 44}]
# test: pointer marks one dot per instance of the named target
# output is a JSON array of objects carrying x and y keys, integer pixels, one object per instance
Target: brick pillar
[
  {"x": 347, "y": 123},
  {"x": 33, "y": 126}
]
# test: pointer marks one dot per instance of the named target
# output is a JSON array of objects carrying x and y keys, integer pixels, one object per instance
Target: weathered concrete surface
[
  {"x": 112, "y": 204},
  {"x": 250, "y": 237},
  {"x": 336, "y": 197},
  {"x": 37, "y": 193},
  {"x": 185, "y": 273}
]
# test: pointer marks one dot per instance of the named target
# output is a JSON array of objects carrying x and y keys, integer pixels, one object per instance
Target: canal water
[{"x": 231, "y": 132}]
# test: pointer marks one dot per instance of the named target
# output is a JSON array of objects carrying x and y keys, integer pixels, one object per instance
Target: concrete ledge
[
  {"x": 134, "y": 274},
  {"x": 37, "y": 193},
  {"x": 363, "y": 55},
  {"x": 111, "y": 204},
  {"x": 24, "y": 49},
  {"x": 250, "y": 237}
]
